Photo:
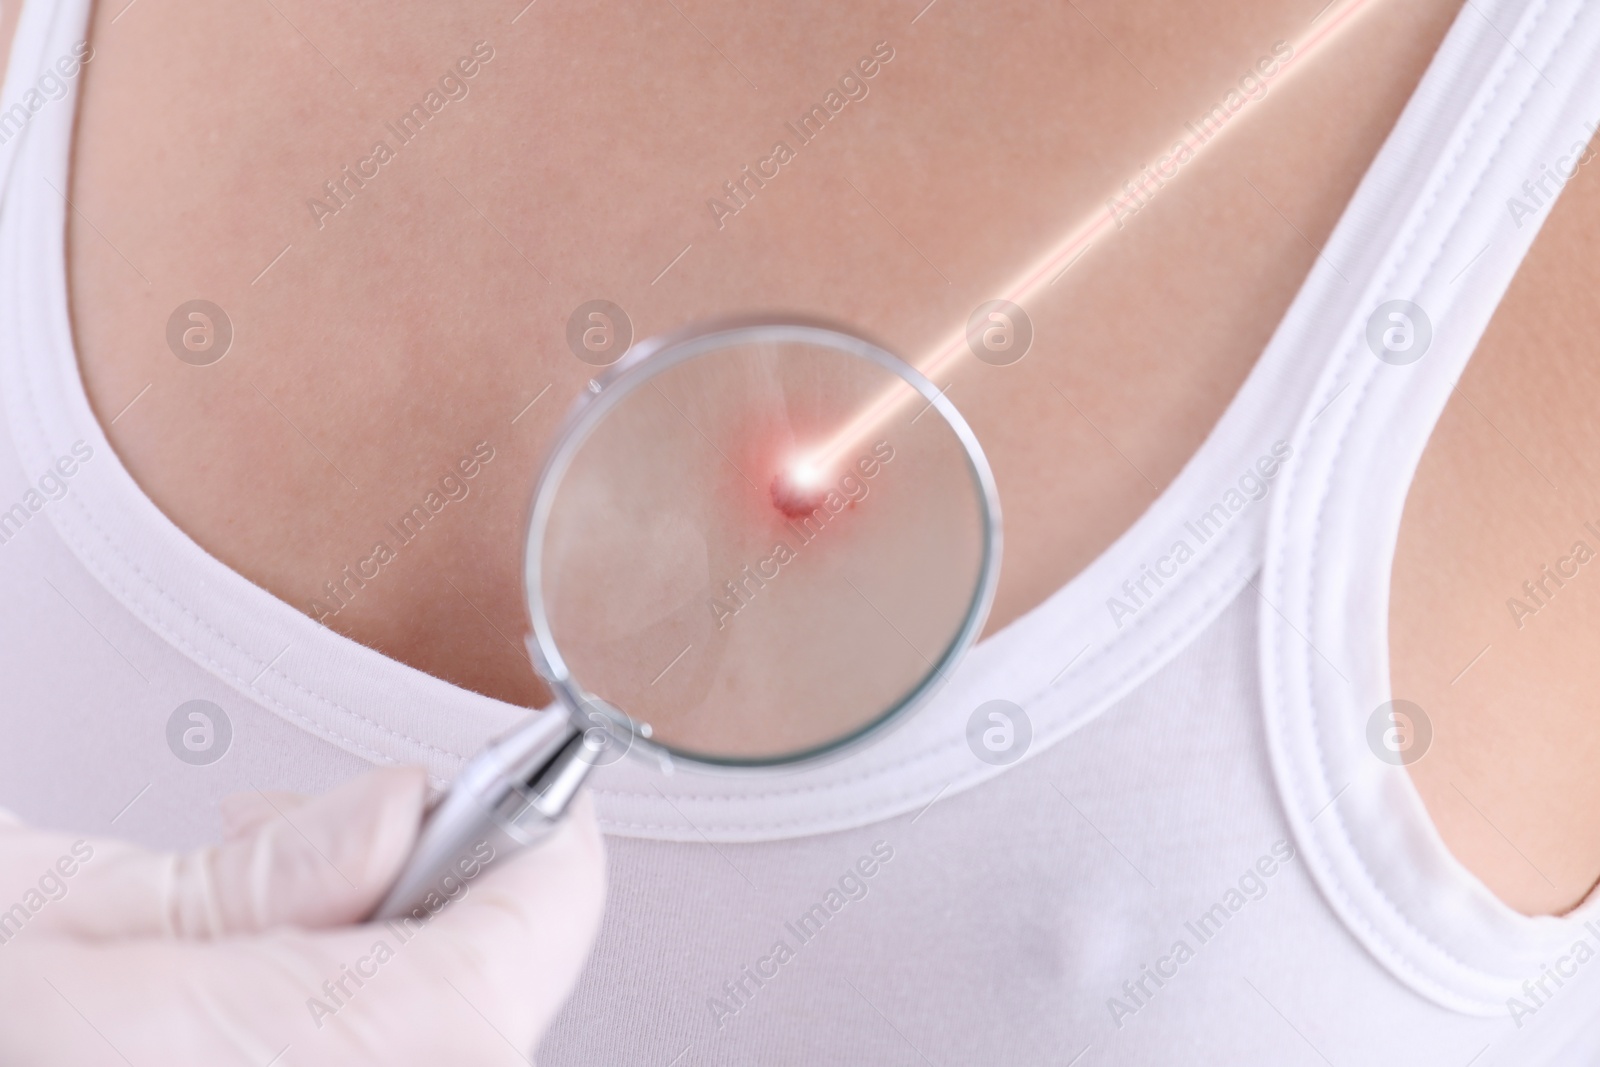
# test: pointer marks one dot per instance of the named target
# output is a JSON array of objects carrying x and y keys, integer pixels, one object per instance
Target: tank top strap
[
  {"x": 48, "y": 52},
  {"x": 1501, "y": 121}
]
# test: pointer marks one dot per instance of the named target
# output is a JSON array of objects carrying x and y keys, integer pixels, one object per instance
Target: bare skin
[
  {"x": 407, "y": 327},
  {"x": 426, "y": 314},
  {"x": 1509, "y": 479}
]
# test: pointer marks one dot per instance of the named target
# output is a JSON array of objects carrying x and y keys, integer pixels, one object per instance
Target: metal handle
[{"x": 511, "y": 795}]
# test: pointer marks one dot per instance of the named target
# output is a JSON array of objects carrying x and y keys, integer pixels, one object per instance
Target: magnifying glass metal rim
[
  {"x": 655, "y": 356},
  {"x": 513, "y": 793}
]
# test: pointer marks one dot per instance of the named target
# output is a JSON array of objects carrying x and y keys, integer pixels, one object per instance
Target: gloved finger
[
  {"x": 323, "y": 863},
  {"x": 244, "y": 813},
  {"x": 477, "y": 984},
  {"x": 542, "y": 908}
]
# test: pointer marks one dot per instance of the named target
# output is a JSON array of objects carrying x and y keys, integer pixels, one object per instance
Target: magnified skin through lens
[{"x": 708, "y": 578}]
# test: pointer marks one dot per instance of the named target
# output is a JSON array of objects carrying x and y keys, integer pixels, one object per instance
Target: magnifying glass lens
[{"x": 762, "y": 544}]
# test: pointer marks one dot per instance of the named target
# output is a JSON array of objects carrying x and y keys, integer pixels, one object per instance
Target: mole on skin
[{"x": 796, "y": 491}]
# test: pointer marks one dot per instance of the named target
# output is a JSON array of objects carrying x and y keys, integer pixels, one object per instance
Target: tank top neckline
[
  {"x": 1302, "y": 478},
  {"x": 1064, "y": 661}
]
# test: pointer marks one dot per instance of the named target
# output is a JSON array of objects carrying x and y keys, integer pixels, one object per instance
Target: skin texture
[
  {"x": 373, "y": 350},
  {"x": 419, "y": 320},
  {"x": 1504, "y": 489}
]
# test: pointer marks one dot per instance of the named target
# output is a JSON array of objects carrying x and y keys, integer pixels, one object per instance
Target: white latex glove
[{"x": 237, "y": 954}]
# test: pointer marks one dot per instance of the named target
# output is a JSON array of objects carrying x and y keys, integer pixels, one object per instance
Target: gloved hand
[{"x": 245, "y": 953}]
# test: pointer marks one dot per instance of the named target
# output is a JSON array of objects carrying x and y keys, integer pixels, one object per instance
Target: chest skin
[
  {"x": 400, "y": 315},
  {"x": 395, "y": 310}
]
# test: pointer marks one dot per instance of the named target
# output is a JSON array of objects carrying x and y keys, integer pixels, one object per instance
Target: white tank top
[{"x": 1197, "y": 859}]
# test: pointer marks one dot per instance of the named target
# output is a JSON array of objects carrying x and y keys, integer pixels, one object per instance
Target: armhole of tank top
[{"x": 1515, "y": 84}]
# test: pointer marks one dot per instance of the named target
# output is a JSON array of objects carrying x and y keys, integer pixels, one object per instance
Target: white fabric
[
  {"x": 1016, "y": 905},
  {"x": 1492, "y": 120}
]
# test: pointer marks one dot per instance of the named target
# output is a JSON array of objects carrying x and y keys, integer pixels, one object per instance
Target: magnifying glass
[{"x": 753, "y": 547}]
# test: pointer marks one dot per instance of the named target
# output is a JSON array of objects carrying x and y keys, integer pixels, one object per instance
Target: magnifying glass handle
[{"x": 509, "y": 796}]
